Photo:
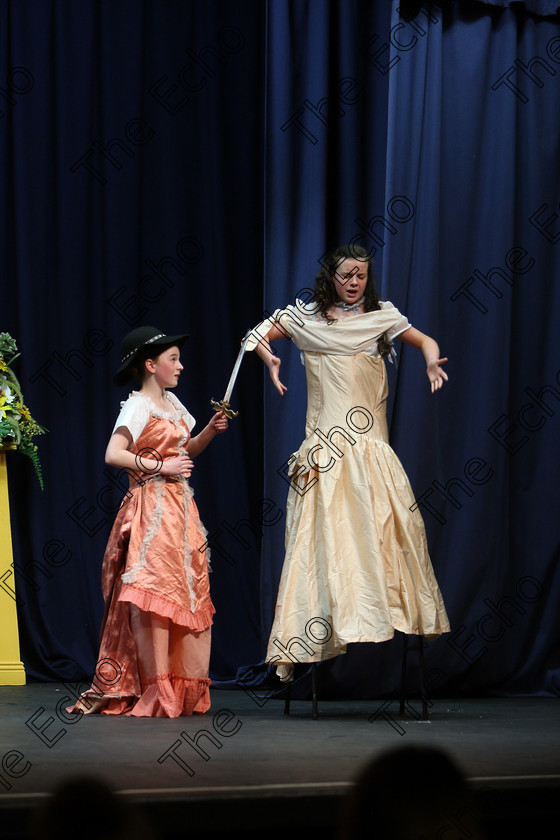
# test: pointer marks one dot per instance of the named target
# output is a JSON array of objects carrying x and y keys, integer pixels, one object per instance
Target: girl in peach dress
[
  {"x": 356, "y": 566},
  {"x": 155, "y": 637}
]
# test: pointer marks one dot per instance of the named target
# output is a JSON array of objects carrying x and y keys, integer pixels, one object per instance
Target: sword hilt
[{"x": 224, "y": 407}]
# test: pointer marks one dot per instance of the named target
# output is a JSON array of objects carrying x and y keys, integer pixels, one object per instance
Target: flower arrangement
[{"x": 17, "y": 426}]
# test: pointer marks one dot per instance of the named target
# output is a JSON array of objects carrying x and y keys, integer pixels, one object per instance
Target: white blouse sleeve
[
  {"x": 403, "y": 324},
  {"x": 134, "y": 415}
]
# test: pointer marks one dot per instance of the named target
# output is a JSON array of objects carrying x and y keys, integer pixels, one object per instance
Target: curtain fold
[{"x": 466, "y": 151}]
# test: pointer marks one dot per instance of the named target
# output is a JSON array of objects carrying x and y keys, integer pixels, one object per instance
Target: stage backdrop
[{"x": 188, "y": 165}]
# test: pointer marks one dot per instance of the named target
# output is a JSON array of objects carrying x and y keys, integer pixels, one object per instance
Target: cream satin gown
[{"x": 357, "y": 566}]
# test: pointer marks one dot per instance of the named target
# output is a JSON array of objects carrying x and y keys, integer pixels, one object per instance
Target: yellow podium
[{"x": 12, "y": 671}]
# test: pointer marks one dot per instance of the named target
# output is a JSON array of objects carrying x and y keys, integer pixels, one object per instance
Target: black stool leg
[
  {"x": 422, "y": 678},
  {"x": 288, "y": 697},
  {"x": 403, "y": 674},
  {"x": 423, "y": 695},
  {"x": 314, "y": 689}
]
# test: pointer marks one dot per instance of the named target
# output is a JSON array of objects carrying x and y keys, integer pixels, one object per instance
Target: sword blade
[{"x": 236, "y": 367}]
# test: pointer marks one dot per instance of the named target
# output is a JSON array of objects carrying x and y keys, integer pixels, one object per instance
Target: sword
[{"x": 223, "y": 405}]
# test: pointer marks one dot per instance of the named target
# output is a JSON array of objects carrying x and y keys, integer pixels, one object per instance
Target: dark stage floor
[{"x": 262, "y": 772}]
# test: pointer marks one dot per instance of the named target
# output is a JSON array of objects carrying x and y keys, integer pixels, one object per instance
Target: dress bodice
[
  {"x": 347, "y": 392},
  {"x": 162, "y": 437},
  {"x": 156, "y": 434}
]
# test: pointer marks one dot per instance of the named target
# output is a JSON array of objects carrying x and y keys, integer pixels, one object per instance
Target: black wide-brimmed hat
[{"x": 139, "y": 339}]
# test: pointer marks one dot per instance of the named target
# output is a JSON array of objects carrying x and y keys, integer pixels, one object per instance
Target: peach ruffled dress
[
  {"x": 155, "y": 637},
  {"x": 356, "y": 566}
]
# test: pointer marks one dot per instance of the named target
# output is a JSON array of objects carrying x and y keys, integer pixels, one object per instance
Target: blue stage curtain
[
  {"x": 543, "y": 8},
  {"x": 462, "y": 232},
  {"x": 131, "y": 147},
  {"x": 473, "y": 146},
  {"x": 188, "y": 164}
]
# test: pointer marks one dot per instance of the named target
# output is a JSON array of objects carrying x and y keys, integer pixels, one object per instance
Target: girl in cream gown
[{"x": 357, "y": 566}]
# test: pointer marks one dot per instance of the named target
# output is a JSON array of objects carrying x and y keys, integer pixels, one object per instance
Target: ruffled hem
[
  {"x": 150, "y": 602},
  {"x": 166, "y": 696}
]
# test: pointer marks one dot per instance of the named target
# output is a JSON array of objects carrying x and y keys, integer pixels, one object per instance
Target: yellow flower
[
  {"x": 4, "y": 405},
  {"x": 16, "y": 422},
  {"x": 24, "y": 411}
]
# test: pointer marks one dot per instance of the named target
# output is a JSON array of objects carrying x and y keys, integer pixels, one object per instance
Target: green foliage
[{"x": 16, "y": 423}]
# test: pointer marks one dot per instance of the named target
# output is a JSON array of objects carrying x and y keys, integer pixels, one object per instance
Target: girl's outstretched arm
[
  {"x": 430, "y": 351},
  {"x": 271, "y": 361}
]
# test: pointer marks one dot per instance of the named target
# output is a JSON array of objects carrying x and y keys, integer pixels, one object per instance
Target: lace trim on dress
[
  {"x": 185, "y": 438},
  {"x": 187, "y": 547},
  {"x": 176, "y": 412},
  {"x": 130, "y": 576},
  {"x": 205, "y": 545}
]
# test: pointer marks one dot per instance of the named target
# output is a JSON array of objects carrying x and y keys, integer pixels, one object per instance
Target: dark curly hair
[{"x": 325, "y": 294}]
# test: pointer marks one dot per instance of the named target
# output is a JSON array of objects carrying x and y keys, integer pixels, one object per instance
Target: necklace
[{"x": 346, "y": 307}]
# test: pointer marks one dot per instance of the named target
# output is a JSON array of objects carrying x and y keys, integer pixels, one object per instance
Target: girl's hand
[
  {"x": 274, "y": 370},
  {"x": 181, "y": 465},
  {"x": 218, "y": 423},
  {"x": 436, "y": 374}
]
